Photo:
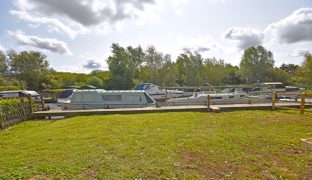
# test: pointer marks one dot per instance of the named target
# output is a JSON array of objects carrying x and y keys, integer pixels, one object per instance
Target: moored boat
[
  {"x": 158, "y": 94},
  {"x": 218, "y": 98},
  {"x": 101, "y": 99}
]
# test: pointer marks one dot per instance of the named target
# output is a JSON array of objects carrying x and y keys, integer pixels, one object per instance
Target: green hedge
[
  {"x": 7, "y": 88},
  {"x": 9, "y": 105}
]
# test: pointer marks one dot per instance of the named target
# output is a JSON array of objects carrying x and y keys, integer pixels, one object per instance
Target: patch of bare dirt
[
  {"x": 293, "y": 150},
  {"x": 308, "y": 174},
  {"x": 89, "y": 174},
  {"x": 196, "y": 162}
]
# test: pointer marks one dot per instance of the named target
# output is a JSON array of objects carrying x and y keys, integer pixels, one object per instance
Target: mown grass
[{"x": 241, "y": 144}]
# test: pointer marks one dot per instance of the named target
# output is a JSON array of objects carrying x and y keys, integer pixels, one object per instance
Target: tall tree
[
  {"x": 190, "y": 70},
  {"x": 136, "y": 58},
  {"x": 30, "y": 67},
  {"x": 307, "y": 69},
  {"x": 120, "y": 67},
  {"x": 257, "y": 64},
  {"x": 3, "y": 64},
  {"x": 153, "y": 63},
  {"x": 289, "y": 68}
]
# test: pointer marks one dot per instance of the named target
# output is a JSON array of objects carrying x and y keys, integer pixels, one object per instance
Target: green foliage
[
  {"x": 190, "y": 70},
  {"x": 289, "y": 68},
  {"x": 181, "y": 145},
  {"x": 280, "y": 75},
  {"x": 95, "y": 81},
  {"x": 3, "y": 64},
  {"x": 121, "y": 69},
  {"x": 257, "y": 65},
  {"x": 307, "y": 69},
  {"x": 30, "y": 67},
  {"x": 7, "y": 88},
  {"x": 158, "y": 68},
  {"x": 65, "y": 79},
  {"x": 220, "y": 73},
  {"x": 9, "y": 105},
  {"x": 130, "y": 66}
]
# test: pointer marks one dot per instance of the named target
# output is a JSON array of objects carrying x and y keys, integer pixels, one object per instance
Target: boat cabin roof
[{"x": 26, "y": 92}]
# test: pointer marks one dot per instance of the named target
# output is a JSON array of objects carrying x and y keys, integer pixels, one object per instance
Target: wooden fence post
[
  {"x": 1, "y": 119},
  {"x": 30, "y": 104},
  {"x": 208, "y": 102},
  {"x": 302, "y": 103},
  {"x": 273, "y": 100}
]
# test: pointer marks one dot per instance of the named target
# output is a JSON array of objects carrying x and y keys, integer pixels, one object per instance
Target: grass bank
[{"x": 254, "y": 144}]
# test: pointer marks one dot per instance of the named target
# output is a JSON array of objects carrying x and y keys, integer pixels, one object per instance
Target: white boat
[
  {"x": 159, "y": 94},
  {"x": 201, "y": 99},
  {"x": 19, "y": 94},
  {"x": 101, "y": 99},
  {"x": 267, "y": 88}
]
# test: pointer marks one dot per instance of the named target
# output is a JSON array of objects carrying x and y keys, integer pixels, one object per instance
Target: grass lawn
[{"x": 240, "y": 144}]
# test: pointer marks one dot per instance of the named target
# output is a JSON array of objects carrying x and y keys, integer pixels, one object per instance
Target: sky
[{"x": 76, "y": 35}]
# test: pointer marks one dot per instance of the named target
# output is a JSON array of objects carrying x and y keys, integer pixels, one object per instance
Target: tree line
[{"x": 129, "y": 66}]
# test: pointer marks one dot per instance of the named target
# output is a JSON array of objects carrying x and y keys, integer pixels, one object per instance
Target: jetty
[{"x": 200, "y": 108}]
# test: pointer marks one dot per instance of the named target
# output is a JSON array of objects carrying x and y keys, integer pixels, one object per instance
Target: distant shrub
[
  {"x": 9, "y": 105},
  {"x": 8, "y": 88}
]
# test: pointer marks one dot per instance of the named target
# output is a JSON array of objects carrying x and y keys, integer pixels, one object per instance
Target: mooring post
[
  {"x": 273, "y": 100},
  {"x": 208, "y": 102},
  {"x": 42, "y": 103},
  {"x": 30, "y": 104},
  {"x": 302, "y": 103}
]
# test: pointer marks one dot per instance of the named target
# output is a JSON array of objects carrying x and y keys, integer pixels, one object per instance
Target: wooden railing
[
  {"x": 20, "y": 112},
  {"x": 301, "y": 100}
]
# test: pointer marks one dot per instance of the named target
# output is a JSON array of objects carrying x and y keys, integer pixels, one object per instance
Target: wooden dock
[{"x": 213, "y": 108}]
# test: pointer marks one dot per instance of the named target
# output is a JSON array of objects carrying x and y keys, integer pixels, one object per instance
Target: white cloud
[
  {"x": 76, "y": 17},
  {"x": 295, "y": 28},
  {"x": 49, "y": 44},
  {"x": 300, "y": 52},
  {"x": 53, "y": 24},
  {"x": 244, "y": 37},
  {"x": 176, "y": 4}
]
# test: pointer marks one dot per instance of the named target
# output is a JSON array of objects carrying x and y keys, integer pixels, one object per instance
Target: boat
[
  {"x": 102, "y": 99},
  {"x": 217, "y": 98},
  {"x": 20, "y": 94},
  {"x": 65, "y": 96},
  {"x": 267, "y": 88},
  {"x": 158, "y": 94}
]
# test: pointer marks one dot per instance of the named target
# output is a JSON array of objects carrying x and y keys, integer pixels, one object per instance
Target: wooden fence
[
  {"x": 19, "y": 112},
  {"x": 301, "y": 100}
]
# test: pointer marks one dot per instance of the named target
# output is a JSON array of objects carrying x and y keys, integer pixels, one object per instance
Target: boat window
[
  {"x": 141, "y": 87},
  {"x": 242, "y": 95},
  {"x": 279, "y": 86},
  {"x": 216, "y": 97},
  {"x": 256, "y": 89},
  {"x": 231, "y": 96},
  {"x": 292, "y": 89},
  {"x": 111, "y": 97},
  {"x": 148, "y": 98},
  {"x": 87, "y": 97}
]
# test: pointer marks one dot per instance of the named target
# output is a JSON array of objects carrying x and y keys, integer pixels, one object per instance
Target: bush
[
  {"x": 9, "y": 105},
  {"x": 8, "y": 88}
]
